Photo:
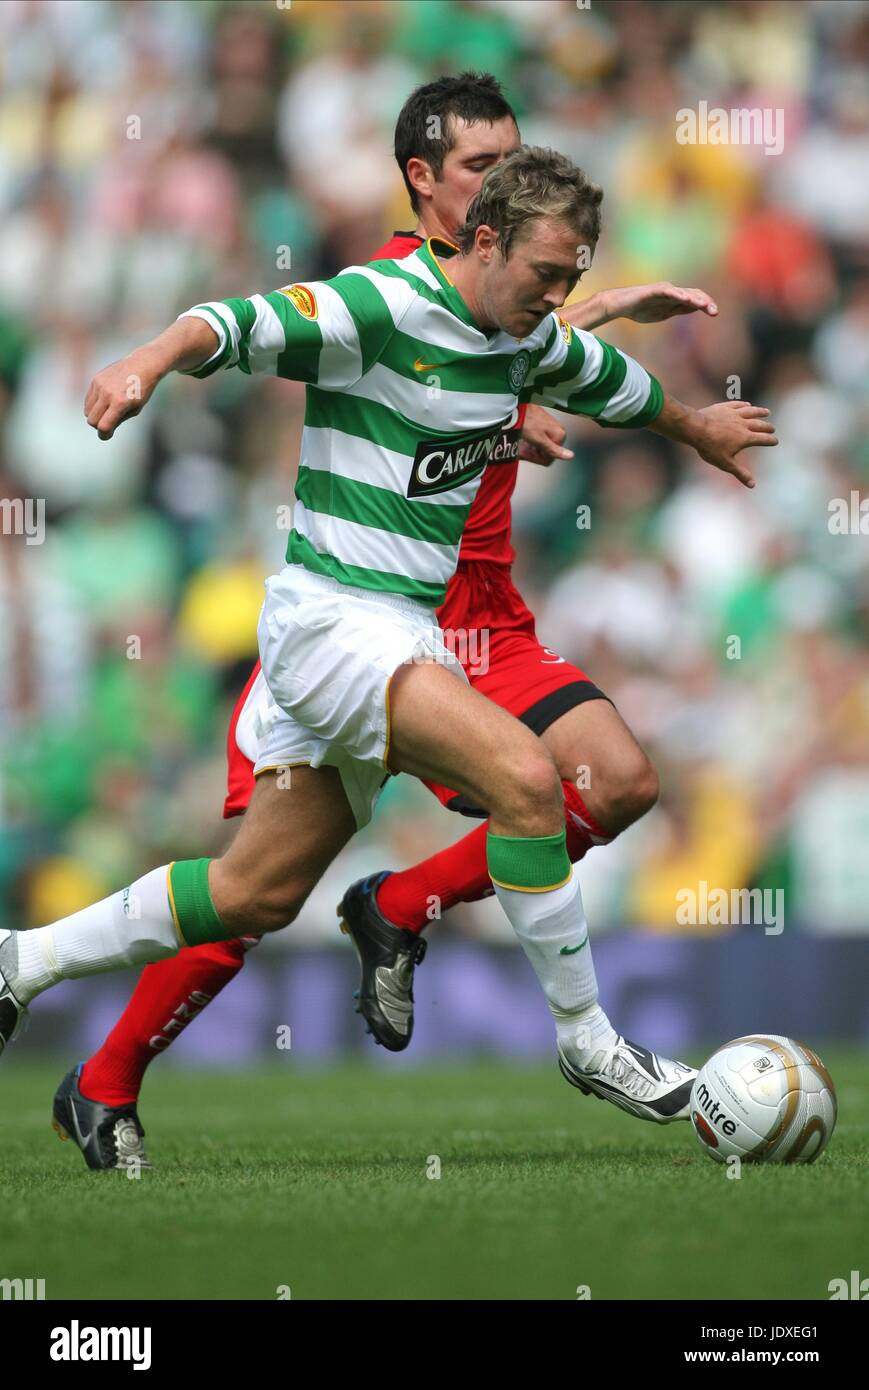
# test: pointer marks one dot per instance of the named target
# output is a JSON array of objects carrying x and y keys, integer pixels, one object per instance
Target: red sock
[
  {"x": 415, "y": 897},
  {"x": 169, "y": 994},
  {"x": 583, "y": 831}
]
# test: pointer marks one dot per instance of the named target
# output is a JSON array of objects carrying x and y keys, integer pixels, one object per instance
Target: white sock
[
  {"x": 548, "y": 924},
  {"x": 581, "y": 1035},
  {"x": 132, "y": 927}
]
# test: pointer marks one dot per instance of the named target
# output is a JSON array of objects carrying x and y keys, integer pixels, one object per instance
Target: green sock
[
  {"x": 194, "y": 912},
  {"x": 532, "y": 864}
]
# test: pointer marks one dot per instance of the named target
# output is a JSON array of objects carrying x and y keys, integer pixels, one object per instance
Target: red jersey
[{"x": 487, "y": 529}]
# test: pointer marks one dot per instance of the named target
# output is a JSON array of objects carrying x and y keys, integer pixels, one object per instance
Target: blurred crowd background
[{"x": 153, "y": 154}]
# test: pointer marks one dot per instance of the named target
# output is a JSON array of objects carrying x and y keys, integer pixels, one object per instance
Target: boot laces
[{"x": 624, "y": 1072}]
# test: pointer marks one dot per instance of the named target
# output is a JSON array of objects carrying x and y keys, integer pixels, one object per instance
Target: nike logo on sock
[{"x": 572, "y": 950}]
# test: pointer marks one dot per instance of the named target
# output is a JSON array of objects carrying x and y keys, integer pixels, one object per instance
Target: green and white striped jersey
[{"x": 407, "y": 403}]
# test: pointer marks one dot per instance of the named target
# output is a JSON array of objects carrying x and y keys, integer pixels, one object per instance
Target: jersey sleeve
[
  {"x": 583, "y": 375},
  {"x": 326, "y": 333}
]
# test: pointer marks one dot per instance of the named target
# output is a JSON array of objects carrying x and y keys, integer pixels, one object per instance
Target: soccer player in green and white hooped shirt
[{"x": 353, "y": 657}]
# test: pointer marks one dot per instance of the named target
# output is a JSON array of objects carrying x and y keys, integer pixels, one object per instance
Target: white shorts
[{"x": 328, "y": 653}]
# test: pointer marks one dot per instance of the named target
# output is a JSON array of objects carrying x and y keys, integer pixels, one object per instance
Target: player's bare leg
[
  {"x": 500, "y": 754},
  {"x": 444, "y": 730},
  {"x": 594, "y": 749},
  {"x": 100, "y": 1094},
  {"x": 297, "y": 822},
  {"x": 607, "y": 783},
  {"x": 507, "y": 768}
]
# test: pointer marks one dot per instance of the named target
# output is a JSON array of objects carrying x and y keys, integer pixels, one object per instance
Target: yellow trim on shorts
[
  {"x": 519, "y": 888},
  {"x": 172, "y": 907},
  {"x": 279, "y": 767}
]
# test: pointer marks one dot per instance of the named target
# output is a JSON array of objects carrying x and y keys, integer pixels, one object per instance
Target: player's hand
[
  {"x": 654, "y": 303},
  {"x": 730, "y": 427},
  {"x": 117, "y": 393},
  {"x": 542, "y": 438}
]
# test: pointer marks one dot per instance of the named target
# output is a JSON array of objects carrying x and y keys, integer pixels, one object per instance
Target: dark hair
[
  {"x": 471, "y": 97},
  {"x": 532, "y": 182}
]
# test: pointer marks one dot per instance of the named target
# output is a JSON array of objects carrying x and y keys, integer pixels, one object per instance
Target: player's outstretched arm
[
  {"x": 120, "y": 390},
  {"x": 586, "y": 376},
  {"x": 719, "y": 432},
  {"x": 641, "y": 303},
  {"x": 324, "y": 333},
  {"x": 542, "y": 436}
]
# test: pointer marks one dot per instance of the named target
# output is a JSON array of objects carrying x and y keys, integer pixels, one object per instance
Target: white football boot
[
  {"x": 639, "y": 1081},
  {"x": 13, "y": 1016}
]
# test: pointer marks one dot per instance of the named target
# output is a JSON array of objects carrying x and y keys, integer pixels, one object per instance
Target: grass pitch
[{"x": 317, "y": 1180}]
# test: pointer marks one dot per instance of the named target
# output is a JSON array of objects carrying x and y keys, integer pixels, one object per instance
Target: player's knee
[
  {"x": 630, "y": 789},
  {"x": 280, "y": 904},
  {"x": 533, "y": 790},
  {"x": 253, "y": 908}
]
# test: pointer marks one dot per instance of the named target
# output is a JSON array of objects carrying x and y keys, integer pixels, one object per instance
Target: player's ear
[
  {"x": 420, "y": 176},
  {"x": 485, "y": 243}
]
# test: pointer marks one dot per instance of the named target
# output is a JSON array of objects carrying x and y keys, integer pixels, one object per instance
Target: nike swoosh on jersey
[{"x": 419, "y": 366}]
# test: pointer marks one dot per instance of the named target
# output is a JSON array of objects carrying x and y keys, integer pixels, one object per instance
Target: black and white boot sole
[
  {"x": 108, "y": 1136},
  {"x": 388, "y": 956},
  {"x": 13, "y": 1015}
]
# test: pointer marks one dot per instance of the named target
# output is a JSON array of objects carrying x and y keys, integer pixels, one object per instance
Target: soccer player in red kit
[{"x": 384, "y": 914}]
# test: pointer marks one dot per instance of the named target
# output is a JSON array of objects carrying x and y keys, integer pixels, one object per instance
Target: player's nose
[{"x": 556, "y": 296}]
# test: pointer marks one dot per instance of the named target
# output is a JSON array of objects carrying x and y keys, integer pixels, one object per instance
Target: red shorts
[
  {"x": 492, "y": 632},
  {"x": 240, "y": 780}
]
